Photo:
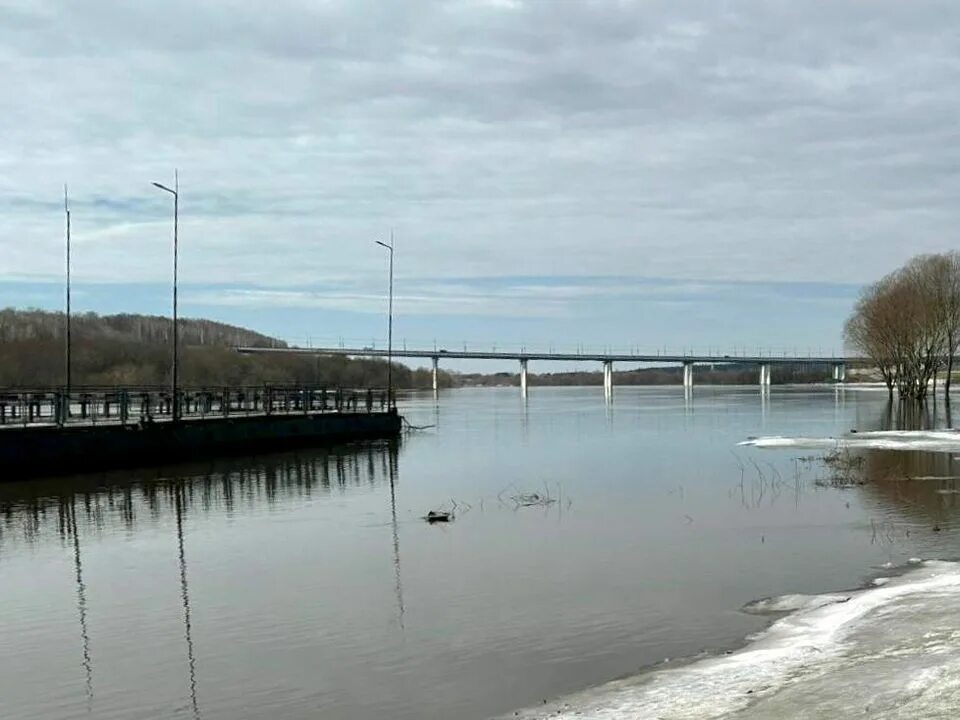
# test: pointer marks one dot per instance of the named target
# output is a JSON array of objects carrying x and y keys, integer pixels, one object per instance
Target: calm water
[{"x": 307, "y": 585}]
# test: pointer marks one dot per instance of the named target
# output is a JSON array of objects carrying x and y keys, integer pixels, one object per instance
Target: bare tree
[
  {"x": 869, "y": 331},
  {"x": 949, "y": 271},
  {"x": 907, "y": 323}
]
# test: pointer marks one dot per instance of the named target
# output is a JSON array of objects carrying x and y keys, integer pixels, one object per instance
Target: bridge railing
[
  {"x": 717, "y": 350},
  {"x": 133, "y": 405}
]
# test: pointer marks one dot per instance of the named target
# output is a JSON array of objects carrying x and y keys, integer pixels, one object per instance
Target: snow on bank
[
  {"x": 929, "y": 440},
  {"x": 792, "y": 603},
  {"x": 889, "y": 651}
]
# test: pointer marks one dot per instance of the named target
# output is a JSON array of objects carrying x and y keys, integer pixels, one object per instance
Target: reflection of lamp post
[
  {"x": 178, "y": 502},
  {"x": 392, "y": 450},
  {"x": 81, "y": 599},
  {"x": 175, "y": 405},
  {"x": 390, "y": 401},
  {"x": 66, "y": 209}
]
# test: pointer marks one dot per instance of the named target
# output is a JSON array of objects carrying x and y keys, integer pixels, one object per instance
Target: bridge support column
[
  {"x": 688, "y": 374},
  {"x": 436, "y": 381},
  {"x": 765, "y": 376},
  {"x": 839, "y": 373},
  {"x": 523, "y": 377},
  {"x": 608, "y": 379}
]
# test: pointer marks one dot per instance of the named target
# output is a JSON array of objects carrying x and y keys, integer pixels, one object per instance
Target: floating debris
[
  {"x": 438, "y": 516},
  {"x": 532, "y": 499}
]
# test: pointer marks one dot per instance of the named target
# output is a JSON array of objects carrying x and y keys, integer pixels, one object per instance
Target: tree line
[
  {"x": 127, "y": 349},
  {"x": 908, "y": 324}
]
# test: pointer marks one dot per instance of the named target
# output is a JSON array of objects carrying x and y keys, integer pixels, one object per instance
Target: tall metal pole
[
  {"x": 174, "y": 381},
  {"x": 67, "y": 373},
  {"x": 176, "y": 330},
  {"x": 390, "y": 399}
]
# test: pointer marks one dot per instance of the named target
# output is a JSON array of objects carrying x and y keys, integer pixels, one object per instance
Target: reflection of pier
[
  {"x": 228, "y": 485},
  {"x": 66, "y": 511}
]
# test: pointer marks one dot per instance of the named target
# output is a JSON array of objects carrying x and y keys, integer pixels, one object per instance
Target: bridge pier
[
  {"x": 839, "y": 373},
  {"x": 435, "y": 375},
  {"x": 608, "y": 379},
  {"x": 688, "y": 374},
  {"x": 523, "y": 377},
  {"x": 765, "y": 375}
]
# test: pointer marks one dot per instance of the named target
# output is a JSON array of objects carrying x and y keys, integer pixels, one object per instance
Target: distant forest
[{"x": 135, "y": 350}]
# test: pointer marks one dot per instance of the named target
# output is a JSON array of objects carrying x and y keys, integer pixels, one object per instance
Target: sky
[{"x": 703, "y": 175}]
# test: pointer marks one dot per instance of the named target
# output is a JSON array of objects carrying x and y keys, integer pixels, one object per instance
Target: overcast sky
[{"x": 612, "y": 172}]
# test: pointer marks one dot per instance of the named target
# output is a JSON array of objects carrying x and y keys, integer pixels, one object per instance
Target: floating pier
[{"x": 48, "y": 432}]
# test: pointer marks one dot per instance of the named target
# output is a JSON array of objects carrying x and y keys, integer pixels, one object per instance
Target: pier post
[
  {"x": 839, "y": 373},
  {"x": 608, "y": 379},
  {"x": 61, "y": 400},
  {"x": 436, "y": 381},
  {"x": 523, "y": 377},
  {"x": 688, "y": 374},
  {"x": 765, "y": 375}
]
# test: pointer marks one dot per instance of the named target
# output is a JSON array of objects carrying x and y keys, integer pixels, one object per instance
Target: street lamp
[
  {"x": 390, "y": 400},
  {"x": 66, "y": 210},
  {"x": 175, "y": 404}
]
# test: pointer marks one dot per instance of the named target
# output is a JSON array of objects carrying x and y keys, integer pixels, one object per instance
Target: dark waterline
[{"x": 307, "y": 585}]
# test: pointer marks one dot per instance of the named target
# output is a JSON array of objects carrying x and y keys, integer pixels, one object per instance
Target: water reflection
[
  {"x": 922, "y": 486},
  {"x": 127, "y": 500},
  {"x": 337, "y": 620},
  {"x": 185, "y": 594},
  {"x": 60, "y": 510},
  {"x": 915, "y": 415},
  {"x": 81, "y": 604},
  {"x": 398, "y": 585}
]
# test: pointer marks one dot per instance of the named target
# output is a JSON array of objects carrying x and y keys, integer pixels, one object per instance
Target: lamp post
[
  {"x": 390, "y": 399},
  {"x": 67, "y": 363},
  {"x": 175, "y": 404}
]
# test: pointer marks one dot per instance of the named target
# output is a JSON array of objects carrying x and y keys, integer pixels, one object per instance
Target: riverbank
[{"x": 889, "y": 650}]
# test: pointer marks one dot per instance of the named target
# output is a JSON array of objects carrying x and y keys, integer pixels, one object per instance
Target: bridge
[{"x": 765, "y": 362}]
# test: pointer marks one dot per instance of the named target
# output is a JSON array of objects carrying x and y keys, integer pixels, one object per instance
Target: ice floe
[{"x": 930, "y": 440}]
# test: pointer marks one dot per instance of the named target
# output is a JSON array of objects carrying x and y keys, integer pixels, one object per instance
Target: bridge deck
[{"x": 574, "y": 357}]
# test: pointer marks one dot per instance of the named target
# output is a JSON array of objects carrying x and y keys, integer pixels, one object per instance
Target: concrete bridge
[{"x": 765, "y": 362}]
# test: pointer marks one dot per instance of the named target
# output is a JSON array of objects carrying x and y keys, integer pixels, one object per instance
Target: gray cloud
[{"x": 720, "y": 140}]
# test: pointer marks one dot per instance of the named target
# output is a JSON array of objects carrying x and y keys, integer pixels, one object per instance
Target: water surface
[{"x": 307, "y": 585}]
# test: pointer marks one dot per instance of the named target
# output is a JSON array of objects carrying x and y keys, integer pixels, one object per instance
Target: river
[{"x": 589, "y": 542}]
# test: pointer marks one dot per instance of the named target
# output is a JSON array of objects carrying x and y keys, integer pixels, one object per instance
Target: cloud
[
  {"x": 577, "y": 298},
  {"x": 755, "y": 141}
]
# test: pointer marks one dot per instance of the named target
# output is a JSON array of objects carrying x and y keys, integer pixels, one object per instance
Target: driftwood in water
[{"x": 438, "y": 516}]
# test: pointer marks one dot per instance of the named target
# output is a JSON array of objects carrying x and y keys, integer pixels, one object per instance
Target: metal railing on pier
[{"x": 133, "y": 405}]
